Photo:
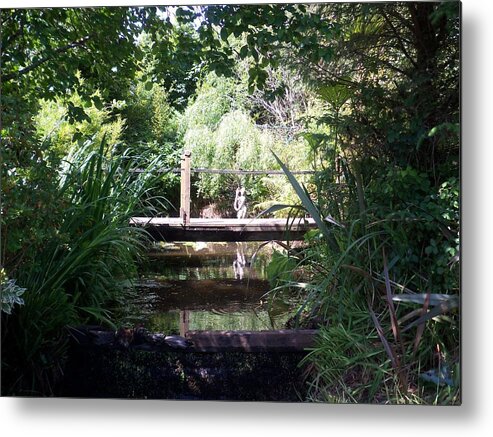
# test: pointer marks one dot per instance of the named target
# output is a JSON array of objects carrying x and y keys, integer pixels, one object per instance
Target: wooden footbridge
[
  {"x": 173, "y": 229},
  {"x": 185, "y": 228}
]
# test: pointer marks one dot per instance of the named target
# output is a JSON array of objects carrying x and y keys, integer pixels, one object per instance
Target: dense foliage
[
  {"x": 387, "y": 198},
  {"x": 366, "y": 94}
]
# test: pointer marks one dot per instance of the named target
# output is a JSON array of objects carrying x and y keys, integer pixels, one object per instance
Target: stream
[
  {"x": 195, "y": 286},
  {"x": 209, "y": 286}
]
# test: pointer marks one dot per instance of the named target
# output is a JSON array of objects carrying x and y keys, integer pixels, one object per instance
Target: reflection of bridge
[{"x": 184, "y": 228}]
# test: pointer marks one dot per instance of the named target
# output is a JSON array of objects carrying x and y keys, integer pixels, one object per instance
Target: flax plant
[
  {"x": 380, "y": 340},
  {"x": 77, "y": 277}
]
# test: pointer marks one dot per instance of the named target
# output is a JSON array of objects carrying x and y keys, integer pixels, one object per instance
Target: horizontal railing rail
[{"x": 226, "y": 171}]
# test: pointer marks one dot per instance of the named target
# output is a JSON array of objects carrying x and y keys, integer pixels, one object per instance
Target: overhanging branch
[{"x": 39, "y": 62}]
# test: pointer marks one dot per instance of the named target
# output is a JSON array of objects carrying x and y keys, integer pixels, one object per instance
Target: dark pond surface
[{"x": 209, "y": 286}]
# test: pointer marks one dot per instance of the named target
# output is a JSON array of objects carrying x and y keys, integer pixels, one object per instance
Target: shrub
[{"x": 54, "y": 126}]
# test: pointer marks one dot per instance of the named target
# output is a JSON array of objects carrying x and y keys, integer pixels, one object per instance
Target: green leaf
[
  {"x": 98, "y": 103},
  {"x": 433, "y": 131},
  {"x": 255, "y": 55},
  {"x": 76, "y": 136},
  {"x": 309, "y": 205},
  {"x": 280, "y": 268},
  {"x": 224, "y": 34},
  {"x": 244, "y": 52}
]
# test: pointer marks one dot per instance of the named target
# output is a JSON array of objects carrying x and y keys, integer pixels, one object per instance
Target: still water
[{"x": 209, "y": 286}]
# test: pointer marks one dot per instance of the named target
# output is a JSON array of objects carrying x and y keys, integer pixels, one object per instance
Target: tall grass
[
  {"x": 76, "y": 278},
  {"x": 381, "y": 341}
]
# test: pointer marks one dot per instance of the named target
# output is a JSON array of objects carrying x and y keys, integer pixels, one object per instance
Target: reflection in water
[
  {"x": 184, "y": 322},
  {"x": 239, "y": 263},
  {"x": 209, "y": 286}
]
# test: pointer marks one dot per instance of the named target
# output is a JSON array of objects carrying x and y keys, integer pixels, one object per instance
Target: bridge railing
[
  {"x": 226, "y": 171},
  {"x": 185, "y": 171}
]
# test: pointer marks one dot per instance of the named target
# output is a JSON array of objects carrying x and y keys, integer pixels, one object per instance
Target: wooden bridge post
[{"x": 185, "y": 188}]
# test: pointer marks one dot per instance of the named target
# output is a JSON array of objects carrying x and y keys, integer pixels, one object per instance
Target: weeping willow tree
[{"x": 222, "y": 134}]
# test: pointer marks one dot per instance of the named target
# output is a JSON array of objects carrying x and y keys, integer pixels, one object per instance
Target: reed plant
[{"x": 79, "y": 275}]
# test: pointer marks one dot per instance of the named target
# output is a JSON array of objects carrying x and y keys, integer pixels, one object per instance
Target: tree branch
[
  {"x": 38, "y": 63},
  {"x": 399, "y": 40}
]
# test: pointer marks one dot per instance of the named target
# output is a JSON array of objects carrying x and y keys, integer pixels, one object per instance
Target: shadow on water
[{"x": 208, "y": 286}]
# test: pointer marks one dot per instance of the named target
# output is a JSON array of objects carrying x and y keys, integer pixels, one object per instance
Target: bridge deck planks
[{"x": 228, "y": 229}]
